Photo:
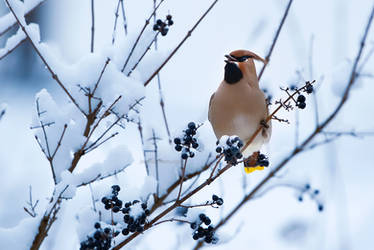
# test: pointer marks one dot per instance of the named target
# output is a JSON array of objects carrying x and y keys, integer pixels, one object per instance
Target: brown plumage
[{"x": 238, "y": 106}]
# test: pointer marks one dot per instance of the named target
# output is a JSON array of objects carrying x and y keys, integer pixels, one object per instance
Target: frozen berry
[
  {"x": 159, "y": 22},
  {"x": 97, "y": 225},
  {"x": 125, "y": 231},
  {"x": 316, "y": 192},
  {"x": 220, "y": 202},
  {"x": 184, "y": 156},
  {"x": 307, "y": 186},
  {"x": 178, "y": 148},
  {"x": 192, "y": 154},
  {"x": 107, "y": 230},
  {"x": 144, "y": 206},
  {"x": 215, "y": 197},
  {"x": 301, "y": 98},
  {"x": 195, "y": 145},
  {"x": 300, "y": 198},
  {"x": 139, "y": 229},
  {"x": 301, "y": 105},
  {"x": 192, "y": 125},
  {"x": 125, "y": 210},
  {"x": 128, "y": 204},
  {"x": 170, "y": 22},
  {"x": 116, "y": 209},
  {"x": 320, "y": 207},
  {"x": 208, "y": 239},
  {"x": 193, "y": 225},
  {"x": 219, "y": 150},
  {"x": 202, "y": 217},
  {"x": 195, "y": 236},
  {"x": 164, "y": 31},
  {"x": 104, "y": 200},
  {"x": 168, "y": 17},
  {"x": 116, "y": 188},
  {"x": 147, "y": 212},
  {"x": 207, "y": 221},
  {"x": 309, "y": 88},
  {"x": 177, "y": 140}
]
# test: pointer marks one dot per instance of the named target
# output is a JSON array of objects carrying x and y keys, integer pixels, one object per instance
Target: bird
[{"x": 238, "y": 106}]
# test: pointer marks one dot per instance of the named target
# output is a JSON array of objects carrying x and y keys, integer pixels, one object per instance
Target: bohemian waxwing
[{"x": 239, "y": 107}]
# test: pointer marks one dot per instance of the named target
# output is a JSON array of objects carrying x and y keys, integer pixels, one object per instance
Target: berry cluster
[
  {"x": 112, "y": 202},
  {"x": 313, "y": 195},
  {"x": 135, "y": 215},
  {"x": 200, "y": 232},
  {"x": 262, "y": 160},
  {"x": 187, "y": 143},
  {"x": 217, "y": 200},
  {"x": 230, "y": 147},
  {"x": 163, "y": 26},
  {"x": 101, "y": 239}
]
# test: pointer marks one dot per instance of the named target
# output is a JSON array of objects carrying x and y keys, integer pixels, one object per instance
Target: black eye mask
[{"x": 242, "y": 58}]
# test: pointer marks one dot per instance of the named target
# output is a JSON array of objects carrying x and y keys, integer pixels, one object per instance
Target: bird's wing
[{"x": 210, "y": 104}]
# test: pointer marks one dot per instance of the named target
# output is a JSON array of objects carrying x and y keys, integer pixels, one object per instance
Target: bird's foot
[{"x": 255, "y": 162}]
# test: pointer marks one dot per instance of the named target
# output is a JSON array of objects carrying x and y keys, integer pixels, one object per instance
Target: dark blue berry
[
  {"x": 207, "y": 221},
  {"x": 97, "y": 235},
  {"x": 147, "y": 212},
  {"x": 219, "y": 202},
  {"x": 97, "y": 225},
  {"x": 301, "y": 98},
  {"x": 125, "y": 231},
  {"x": 144, "y": 206},
  {"x": 300, "y": 198},
  {"x": 195, "y": 145},
  {"x": 219, "y": 150},
  {"x": 116, "y": 188},
  {"x": 184, "y": 156},
  {"x": 170, "y": 22},
  {"x": 160, "y": 22},
  {"x": 168, "y": 17},
  {"x": 301, "y": 105},
  {"x": 116, "y": 209},
  {"x": 192, "y": 125},
  {"x": 307, "y": 186},
  {"x": 178, "y": 148},
  {"x": 202, "y": 217},
  {"x": 215, "y": 197},
  {"x": 309, "y": 88},
  {"x": 107, "y": 230},
  {"x": 104, "y": 200},
  {"x": 320, "y": 207},
  {"x": 193, "y": 225},
  {"x": 316, "y": 192},
  {"x": 177, "y": 140},
  {"x": 156, "y": 27}
]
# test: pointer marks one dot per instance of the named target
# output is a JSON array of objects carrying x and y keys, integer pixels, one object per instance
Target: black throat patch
[{"x": 232, "y": 73}]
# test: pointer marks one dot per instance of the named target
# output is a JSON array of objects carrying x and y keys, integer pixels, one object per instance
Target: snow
[
  {"x": 21, "y": 236},
  {"x": 12, "y": 42}
]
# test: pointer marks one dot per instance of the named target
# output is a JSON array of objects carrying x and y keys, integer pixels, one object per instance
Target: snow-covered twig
[
  {"x": 54, "y": 75},
  {"x": 12, "y": 43},
  {"x": 8, "y": 21}
]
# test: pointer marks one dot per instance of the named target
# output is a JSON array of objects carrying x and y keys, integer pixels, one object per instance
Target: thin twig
[
  {"x": 140, "y": 34},
  {"x": 115, "y": 22},
  {"x": 59, "y": 141},
  {"x": 89, "y": 149},
  {"x": 267, "y": 58},
  {"x": 154, "y": 139},
  {"x": 100, "y": 76},
  {"x": 182, "y": 179},
  {"x": 144, "y": 53},
  {"x": 140, "y": 129},
  {"x": 180, "y": 44},
  {"x": 124, "y": 17},
  {"x": 92, "y": 25},
  {"x": 171, "y": 220}
]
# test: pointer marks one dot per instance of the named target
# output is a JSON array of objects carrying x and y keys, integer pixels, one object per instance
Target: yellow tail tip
[{"x": 249, "y": 170}]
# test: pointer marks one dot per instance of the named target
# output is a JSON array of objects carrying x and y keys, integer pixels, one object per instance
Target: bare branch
[
  {"x": 92, "y": 25},
  {"x": 140, "y": 35},
  {"x": 180, "y": 44},
  {"x": 267, "y": 58}
]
